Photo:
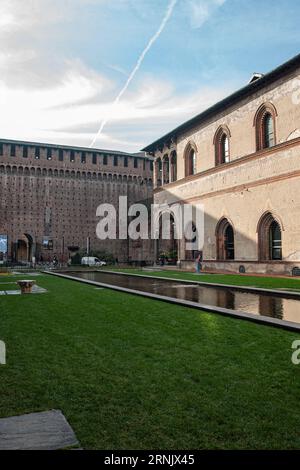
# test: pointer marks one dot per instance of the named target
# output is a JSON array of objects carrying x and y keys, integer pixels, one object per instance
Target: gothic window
[
  {"x": 225, "y": 241},
  {"x": 269, "y": 238},
  {"x": 268, "y": 131},
  {"x": 265, "y": 126},
  {"x": 166, "y": 169},
  {"x": 222, "y": 147},
  {"x": 159, "y": 171},
  {"x": 275, "y": 241},
  {"x": 190, "y": 161},
  {"x": 173, "y": 166}
]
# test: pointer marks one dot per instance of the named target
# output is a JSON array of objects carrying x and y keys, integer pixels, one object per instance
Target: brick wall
[{"x": 48, "y": 192}]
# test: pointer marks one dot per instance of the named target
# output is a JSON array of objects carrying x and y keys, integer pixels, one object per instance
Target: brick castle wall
[{"x": 52, "y": 192}]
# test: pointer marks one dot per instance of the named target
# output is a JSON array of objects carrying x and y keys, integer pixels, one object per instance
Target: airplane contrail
[{"x": 154, "y": 38}]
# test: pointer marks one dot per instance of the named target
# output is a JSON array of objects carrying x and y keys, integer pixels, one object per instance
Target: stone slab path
[
  {"x": 48, "y": 430},
  {"x": 17, "y": 273},
  {"x": 35, "y": 290}
]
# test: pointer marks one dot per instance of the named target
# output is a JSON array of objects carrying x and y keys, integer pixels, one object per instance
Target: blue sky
[{"x": 63, "y": 62}]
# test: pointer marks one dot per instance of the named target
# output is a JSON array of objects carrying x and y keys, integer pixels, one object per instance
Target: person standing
[{"x": 198, "y": 264}]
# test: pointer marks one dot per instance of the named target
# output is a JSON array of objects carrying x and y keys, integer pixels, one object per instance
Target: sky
[{"x": 63, "y": 63}]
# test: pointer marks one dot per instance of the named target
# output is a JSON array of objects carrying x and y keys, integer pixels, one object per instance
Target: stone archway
[
  {"x": 167, "y": 248},
  {"x": 24, "y": 246}
]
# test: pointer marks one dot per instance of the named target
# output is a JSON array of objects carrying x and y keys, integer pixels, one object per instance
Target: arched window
[
  {"x": 166, "y": 169},
  {"x": 225, "y": 240},
  {"x": 229, "y": 243},
  {"x": 192, "y": 163},
  {"x": 269, "y": 238},
  {"x": 167, "y": 242},
  {"x": 275, "y": 241},
  {"x": 221, "y": 142},
  {"x": 158, "y": 164},
  {"x": 190, "y": 160},
  {"x": 265, "y": 126},
  {"x": 268, "y": 131},
  {"x": 224, "y": 149},
  {"x": 173, "y": 166}
]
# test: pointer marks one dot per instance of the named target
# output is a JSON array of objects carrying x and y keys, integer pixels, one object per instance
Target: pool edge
[{"x": 261, "y": 319}]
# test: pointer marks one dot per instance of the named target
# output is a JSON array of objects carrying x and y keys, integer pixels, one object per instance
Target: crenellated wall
[{"x": 48, "y": 198}]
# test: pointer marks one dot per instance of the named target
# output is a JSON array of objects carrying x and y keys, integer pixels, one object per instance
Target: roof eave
[{"x": 249, "y": 89}]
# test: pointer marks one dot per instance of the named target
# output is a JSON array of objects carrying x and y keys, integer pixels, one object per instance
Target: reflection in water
[
  {"x": 271, "y": 306},
  {"x": 226, "y": 297},
  {"x": 259, "y": 304}
]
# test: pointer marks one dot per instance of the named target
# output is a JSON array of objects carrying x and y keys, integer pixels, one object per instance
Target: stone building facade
[
  {"x": 49, "y": 195},
  {"x": 240, "y": 159}
]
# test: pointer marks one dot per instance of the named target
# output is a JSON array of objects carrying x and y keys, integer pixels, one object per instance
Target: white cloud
[
  {"x": 54, "y": 106},
  {"x": 7, "y": 21},
  {"x": 51, "y": 98},
  {"x": 201, "y": 10},
  {"x": 18, "y": 14},
  {"x": 22, "y": 14},
  {"x": 70, "y": 112}
]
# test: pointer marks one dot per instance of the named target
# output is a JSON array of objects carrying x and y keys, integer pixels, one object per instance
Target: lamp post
[{"x": 62, "y": 249}]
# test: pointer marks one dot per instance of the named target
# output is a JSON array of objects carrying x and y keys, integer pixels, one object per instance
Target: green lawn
[
  {"x": 133, "y": 373},
  {"x": 9, "y": 283},
  {"x": 233, "y": 279}
]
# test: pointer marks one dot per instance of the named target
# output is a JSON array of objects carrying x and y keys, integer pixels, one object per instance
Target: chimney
[{"x": 255, "y": 76}]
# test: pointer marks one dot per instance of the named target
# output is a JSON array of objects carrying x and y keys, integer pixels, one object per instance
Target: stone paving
[
  {"x": 17, "y": 273},
  {"x": 48, "y": 430},
  {"x": 35, "y": 290}
]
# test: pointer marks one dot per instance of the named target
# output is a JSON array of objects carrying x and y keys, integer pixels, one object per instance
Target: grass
[
  {"x": 232, "y": 279},
  {"x": 8, "y": 285},
  {"x": 134, "y": 373}
]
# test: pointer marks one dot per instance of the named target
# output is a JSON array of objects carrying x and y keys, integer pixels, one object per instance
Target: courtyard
[{"x": 135, "y": 373}]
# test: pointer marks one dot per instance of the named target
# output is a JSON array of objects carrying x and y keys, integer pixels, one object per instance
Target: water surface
[{"x": 259, "y": 304}]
